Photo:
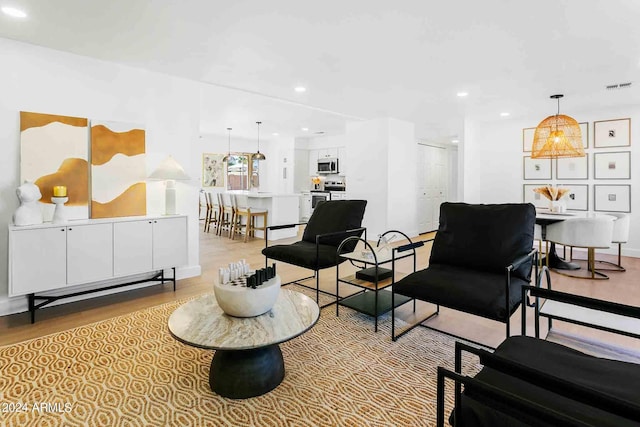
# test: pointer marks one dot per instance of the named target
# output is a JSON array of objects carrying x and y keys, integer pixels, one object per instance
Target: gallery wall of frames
[{"x": 600, "y": 181}]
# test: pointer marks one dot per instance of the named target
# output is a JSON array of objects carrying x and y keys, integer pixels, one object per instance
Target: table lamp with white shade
[{"x": 170, "y": 171}]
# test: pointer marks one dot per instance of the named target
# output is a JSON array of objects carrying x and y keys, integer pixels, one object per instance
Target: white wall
[
  {"x": 327, "y": 141},
  {"x": 382, "y": 170},
  {"x": 48, "y": 81},
  {"x": 284, "y": 172},
  {"x": 368, "y": 169},
  {"x": 493, "y": 160},
  {"x": 452, "y": 183},
  {"x": 402, "y": 184}
]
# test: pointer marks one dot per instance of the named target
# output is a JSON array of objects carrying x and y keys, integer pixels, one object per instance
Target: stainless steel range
[
  {"x": 335, "y": 186},
  {"x": 337, "y": 189}
]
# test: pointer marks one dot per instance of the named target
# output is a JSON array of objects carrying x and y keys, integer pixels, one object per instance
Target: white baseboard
[
  {"x": 188, "y": 271},
  {"x": 19, "y": 304}
]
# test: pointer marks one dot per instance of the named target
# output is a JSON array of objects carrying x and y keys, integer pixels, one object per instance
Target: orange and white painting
[
  {"x": 118, "y": 170},
  {"x": 54, "y": 151}
]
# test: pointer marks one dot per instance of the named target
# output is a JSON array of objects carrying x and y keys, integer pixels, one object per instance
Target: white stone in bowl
[{"x": 239, "y": 301}]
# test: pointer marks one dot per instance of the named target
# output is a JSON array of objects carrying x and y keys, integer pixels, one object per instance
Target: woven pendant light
[{"x": 557, "y": 136}]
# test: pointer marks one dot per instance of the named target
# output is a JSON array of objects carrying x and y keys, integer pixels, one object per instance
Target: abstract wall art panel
[
  {"x": 212, "y": 170},
  {"x": 118, "y": 170},
  {"x": 54, "y": 151}
]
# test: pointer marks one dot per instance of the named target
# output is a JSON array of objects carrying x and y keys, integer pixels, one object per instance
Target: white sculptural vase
[
  {"x": 242, "y": 301},
  {"x": 60, "y": 212},
  {"x": 557, "y": 206}
]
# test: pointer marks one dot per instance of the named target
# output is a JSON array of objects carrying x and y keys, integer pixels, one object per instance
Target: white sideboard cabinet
[
  {"x": 48, "y": 257},
  {"x": 146, "y": 245},
  {"x": 89, "y": 253}
]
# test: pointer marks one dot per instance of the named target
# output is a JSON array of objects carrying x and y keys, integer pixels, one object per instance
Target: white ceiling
[{"x": 360, "y": 58}]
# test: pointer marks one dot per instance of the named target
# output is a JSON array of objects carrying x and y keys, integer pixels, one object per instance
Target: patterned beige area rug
[{"x": 129, "y": 371}]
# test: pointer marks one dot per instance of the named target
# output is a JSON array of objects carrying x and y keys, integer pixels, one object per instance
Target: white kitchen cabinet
[
  {"x": 313, "y": 162},
  {"x": 37, "y": 260},
  {"x": 169, "y": 242},
  {"x": 325, "y": 153},
  {"x": 89, "y": 253},
  {"x": 305, "y": 207},
  {"x": 132, "y": 247},
  {"x": 342, "y": 160}
]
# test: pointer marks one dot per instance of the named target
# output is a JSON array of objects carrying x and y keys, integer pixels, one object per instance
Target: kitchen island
[{"x": 283, "y": 209}]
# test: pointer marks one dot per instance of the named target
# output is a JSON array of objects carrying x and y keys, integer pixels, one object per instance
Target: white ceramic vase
[{"x": 557, "y": 206}]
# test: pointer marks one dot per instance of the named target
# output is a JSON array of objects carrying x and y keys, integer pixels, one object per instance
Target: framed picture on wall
[
  {"x": 536, "y": 169},
  {"x": 612, "y": 198},
  {"x": 527, "y": 139},
  {"x": 572, "y": 167},
  {"x": 577, "y": 199},
  {"x": 584, "y": 129},
  {"x": 612, "y": 165},
  {"x": 536, "y": 199},
  {"x": 612, "y": 133},
  {"x": 212, "y": 170}
]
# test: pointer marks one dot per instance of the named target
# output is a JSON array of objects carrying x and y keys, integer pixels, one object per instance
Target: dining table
[{"x": 544, "y": 217}]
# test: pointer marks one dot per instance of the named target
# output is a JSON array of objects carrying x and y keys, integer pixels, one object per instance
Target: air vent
[{"x": 619, "y": 86}]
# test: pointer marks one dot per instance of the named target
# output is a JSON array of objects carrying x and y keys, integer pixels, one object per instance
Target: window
[{"x": 240, "y": 167}]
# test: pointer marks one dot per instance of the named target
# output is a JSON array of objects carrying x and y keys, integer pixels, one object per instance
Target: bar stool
[
  {"x": 207, "y": 215},
  {"x": 213, "y": 211},
  {"x": 591, "y": 233},
  {"x": 243, "y": 210},
  {"x": 225, "y": 220},
  {"x": 201, "y": 203}
]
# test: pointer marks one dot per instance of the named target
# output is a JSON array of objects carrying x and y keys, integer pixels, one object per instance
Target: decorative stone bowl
[{"x": 240, "y": 301}]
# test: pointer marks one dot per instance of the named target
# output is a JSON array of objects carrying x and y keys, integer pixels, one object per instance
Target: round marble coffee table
[{"x": 248, "y": 361}]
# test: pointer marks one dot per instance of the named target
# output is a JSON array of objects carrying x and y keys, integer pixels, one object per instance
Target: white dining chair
[
  {"x": 621, "y": 227},
  {"x": 537, "y": 241},
  {"x": 589, "y": 232}
]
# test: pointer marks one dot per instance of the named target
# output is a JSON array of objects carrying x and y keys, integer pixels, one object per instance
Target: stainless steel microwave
[{"x": 328, "y": 165}]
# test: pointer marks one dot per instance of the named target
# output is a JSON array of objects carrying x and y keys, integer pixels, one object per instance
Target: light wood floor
[{"x": 217, "y": 251}]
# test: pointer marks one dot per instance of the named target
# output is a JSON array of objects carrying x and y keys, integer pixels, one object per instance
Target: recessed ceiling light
[
  {"x": 13, "y": 12},
  {"x": 275, "y": 134},
  {"x": 305, "y": 129},
  {"x": 504, "y": 114},
  {"x": 300, "y": 89},
  {"x": 462, "y": 94},
  {"x": 455, "y": 141}
]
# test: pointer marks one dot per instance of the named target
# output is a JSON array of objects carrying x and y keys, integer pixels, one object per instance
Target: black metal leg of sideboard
[
  {"x": 174, "y": 279},
  {"x": 32, "y": 308}
]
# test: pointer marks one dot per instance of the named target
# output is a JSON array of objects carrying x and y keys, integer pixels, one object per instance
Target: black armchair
[
  {"x": 531, "y": 381},
  {"x": 481, "y": 257},
  {"x": 330, "y": 223}
]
